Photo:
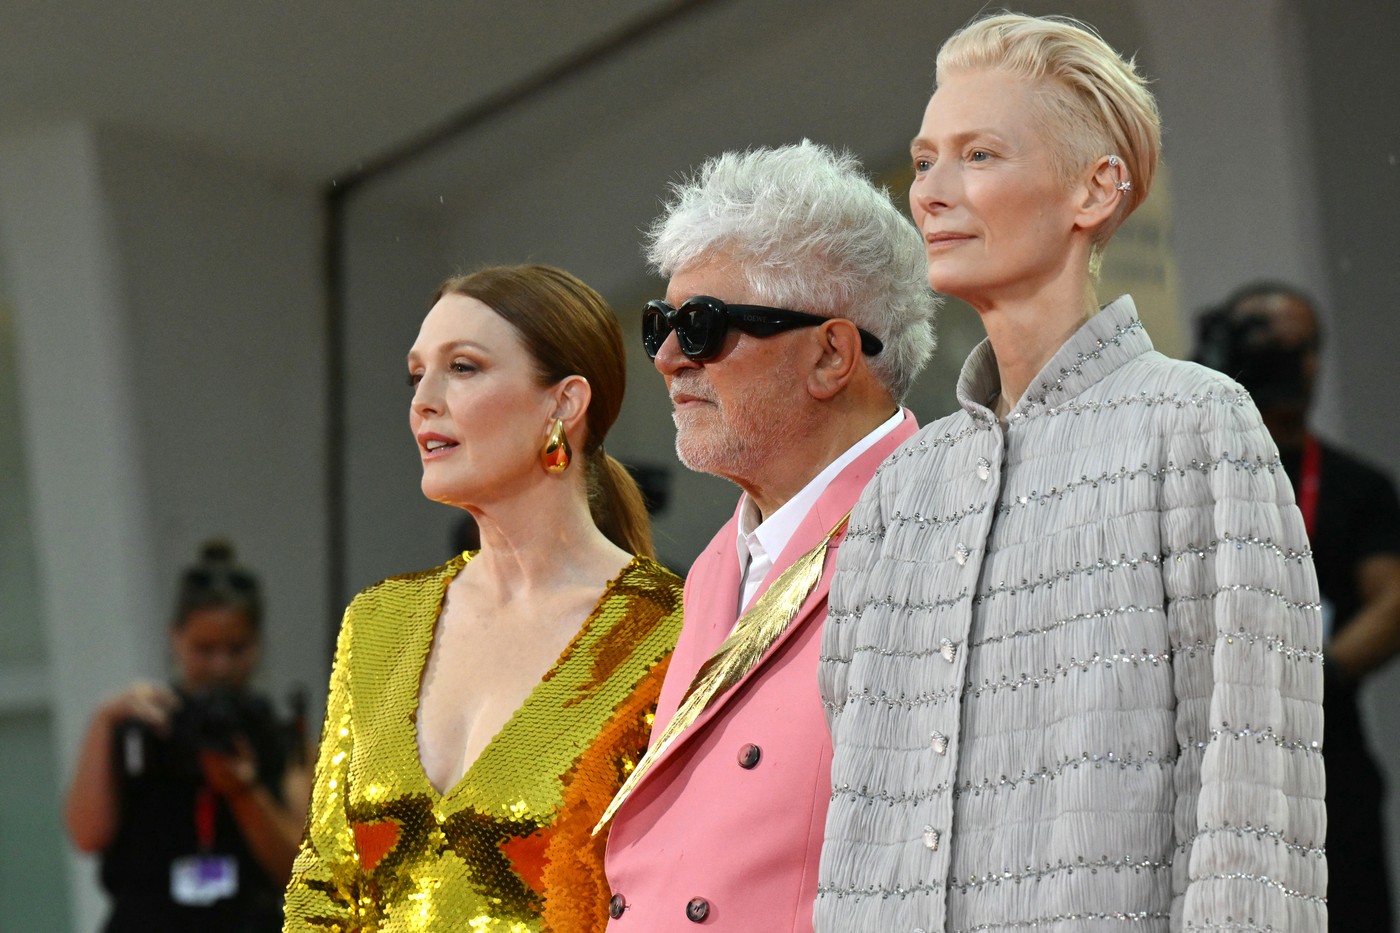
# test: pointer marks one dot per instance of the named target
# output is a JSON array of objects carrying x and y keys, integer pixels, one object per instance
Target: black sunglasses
[{"x": 701, "y": 323}]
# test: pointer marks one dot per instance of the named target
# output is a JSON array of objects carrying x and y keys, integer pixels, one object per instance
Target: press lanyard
[
  {"x": 1309, "y": 483},
  {"x": 205, "y": 811}
]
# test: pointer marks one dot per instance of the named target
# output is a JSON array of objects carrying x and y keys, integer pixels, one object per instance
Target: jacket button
[
  {"x": 749, "y": 755},
  {"x": 697, "y": 910},
  {"x": 616, "y": 906}
]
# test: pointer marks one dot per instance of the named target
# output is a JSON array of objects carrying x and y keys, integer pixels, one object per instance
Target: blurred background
[{"x": 221, "y": 223}]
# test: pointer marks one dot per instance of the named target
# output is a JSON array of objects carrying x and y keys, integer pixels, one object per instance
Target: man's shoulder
[{"x": 717, "y": 554}]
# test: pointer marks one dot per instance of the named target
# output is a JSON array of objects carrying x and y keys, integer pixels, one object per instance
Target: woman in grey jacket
[{"x": 1073, "y": 660}]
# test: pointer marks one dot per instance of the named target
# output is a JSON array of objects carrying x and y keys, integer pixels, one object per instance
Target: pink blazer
[{"x": 725, "y": 832}]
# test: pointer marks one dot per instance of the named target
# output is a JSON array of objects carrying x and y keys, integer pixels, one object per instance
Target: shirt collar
[
  {"x": 1102, "y": 345},
  {"x": 775, "y": 533}
]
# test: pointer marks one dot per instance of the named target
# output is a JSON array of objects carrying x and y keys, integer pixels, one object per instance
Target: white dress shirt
[{"x": 759, "y": 542}]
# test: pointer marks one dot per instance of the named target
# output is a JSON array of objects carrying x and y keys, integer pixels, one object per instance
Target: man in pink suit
[{"x": 796, "y": 318}]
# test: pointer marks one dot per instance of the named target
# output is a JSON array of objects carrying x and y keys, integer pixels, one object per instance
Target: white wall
[
  {"x": 168, "y": 322},
  {"x": 226, "y": 314}
]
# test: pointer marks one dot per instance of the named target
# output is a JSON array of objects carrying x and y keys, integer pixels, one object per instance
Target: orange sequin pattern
[{"x": 509, "y": 849}]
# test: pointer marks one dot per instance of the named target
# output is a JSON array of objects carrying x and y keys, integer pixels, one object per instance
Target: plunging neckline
[{"x": 439, "y": 796}]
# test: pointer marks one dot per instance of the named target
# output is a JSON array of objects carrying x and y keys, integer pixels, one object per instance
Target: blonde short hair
[{"x": 1098, "y": 103}]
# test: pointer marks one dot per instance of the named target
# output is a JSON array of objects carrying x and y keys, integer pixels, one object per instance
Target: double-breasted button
[
  {"x": 932, "y": 838},
  {"x": 984, "y": 469},
  {"x": 749, "y": 756},
  {"x": 697, "y": 909},
  {"x": 616, "y": 906},
  {"x": 961, "y": 553},
  {"x": 939, "y": 743},
  {"x": 947, "y": 650}
]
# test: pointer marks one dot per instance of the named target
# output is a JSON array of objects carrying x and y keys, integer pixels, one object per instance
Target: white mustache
[{"x": 691, "y": 385}]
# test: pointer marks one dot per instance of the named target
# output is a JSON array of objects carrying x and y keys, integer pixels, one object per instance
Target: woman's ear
[
  {"x": 1104, "y": 187},
  {"x": 571, "y": 397}
]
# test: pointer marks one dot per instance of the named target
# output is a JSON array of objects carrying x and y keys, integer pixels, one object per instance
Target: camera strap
[{"x": 1310, "y": 483}]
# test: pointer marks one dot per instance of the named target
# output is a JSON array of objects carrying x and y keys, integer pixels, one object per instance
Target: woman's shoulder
[
  {"x": 1189, "y": 405},
  {"x": 645, "y": 577},
  {"x": 407, "y": 590},
  {"x": 1159, "y": 373},
  {"x": 647, "y": 594},
  {"x": 643, "y": 568}
]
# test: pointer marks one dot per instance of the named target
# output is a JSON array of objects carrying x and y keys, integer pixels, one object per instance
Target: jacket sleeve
[
  {"x": 850, "y": 587},
  {"x": 1243, "y": 612},
  {"x": 326, "y": 876}
]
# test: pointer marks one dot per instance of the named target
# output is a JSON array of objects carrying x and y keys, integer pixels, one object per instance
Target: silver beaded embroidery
[
  {"x": 878, "y": 890},
  {"x": 1130, "y": 917},
  {"x": 1271, "y": 643},
  {"x": 1195, "y": 400},
  {"x": 903, "y": 701},
  {"x": 1130, "y": 473},
  {"x": 1051, "y": 674},
  {"x": 846, "y": 615},
  {"x": 1266, "y": 734},
  {"x": 1239, "y": 542},
  {"x": 924, "y": 445},
  {"x": 1278, "y": 886},
  {"x": 1260, "y": 833},
  {"x": 1051, "y": 772},
  {"x": 847, "y": 792},
  {"x": 1061, "y": 623},
  {"x": 1008, "y": 876},
  {"x": 1249, "y": 588},
  {"x": 1109, "y": 565},
  {"x": 1115, "y": 339},
  {"x": 933, "y": 521}
]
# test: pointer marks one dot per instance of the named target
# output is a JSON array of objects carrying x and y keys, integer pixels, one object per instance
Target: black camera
[
  {"x": 206, "y": 720},
  {"x": 1244, "y": 347}
]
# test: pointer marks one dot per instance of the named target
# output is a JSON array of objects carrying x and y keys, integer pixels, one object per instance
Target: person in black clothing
[
  {"x": 1266, "y": 335},
  {"x": 193, "y": 794}
]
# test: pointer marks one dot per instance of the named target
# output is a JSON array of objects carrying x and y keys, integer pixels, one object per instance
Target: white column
[{"x": 81, "y": 438}]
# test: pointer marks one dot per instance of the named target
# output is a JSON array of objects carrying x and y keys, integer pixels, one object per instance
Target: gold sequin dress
[{"x": 509, "y": 848}]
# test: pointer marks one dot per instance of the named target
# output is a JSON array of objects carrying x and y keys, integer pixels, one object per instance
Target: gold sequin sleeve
[{"x": 322, "y": 895}]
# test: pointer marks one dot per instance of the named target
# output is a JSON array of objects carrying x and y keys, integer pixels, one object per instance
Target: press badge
[{"x": 200, "y": 880}]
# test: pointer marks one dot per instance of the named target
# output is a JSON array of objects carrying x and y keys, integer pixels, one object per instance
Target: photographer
[
  {"x": 193, "y": 794},
  {"x": 1266, "y": 335}
]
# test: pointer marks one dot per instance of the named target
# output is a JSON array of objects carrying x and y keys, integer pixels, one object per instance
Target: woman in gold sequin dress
[{"x": 483, "y": 713}]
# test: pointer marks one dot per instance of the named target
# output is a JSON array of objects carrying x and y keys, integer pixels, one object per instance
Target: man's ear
[{"x": 839, "y": 343}]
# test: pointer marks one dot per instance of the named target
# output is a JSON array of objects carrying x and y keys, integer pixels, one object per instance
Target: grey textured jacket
[{"x": 1073, "y": 667}]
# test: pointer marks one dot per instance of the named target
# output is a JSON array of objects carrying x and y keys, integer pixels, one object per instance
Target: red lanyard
[
  {"x": 205, "y": 810},
  {"x": 1309, "y": 482}
]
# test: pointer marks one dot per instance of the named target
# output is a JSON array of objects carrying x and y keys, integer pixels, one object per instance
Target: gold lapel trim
[{"x": 753, "y": 635}]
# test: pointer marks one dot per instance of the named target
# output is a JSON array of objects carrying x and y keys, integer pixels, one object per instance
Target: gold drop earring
[{"x": 557, "y": 453}]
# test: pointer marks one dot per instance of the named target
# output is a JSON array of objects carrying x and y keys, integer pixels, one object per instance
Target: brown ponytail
[
  {"x": 570, "y": 331},
  {"x": 617, "y": 505}
]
